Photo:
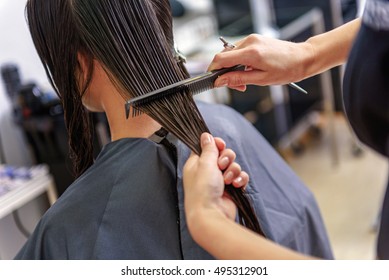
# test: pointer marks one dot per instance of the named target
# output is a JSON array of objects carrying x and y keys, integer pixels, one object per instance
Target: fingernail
[
  {"x": 221, "y": 83},
  {"x": 238, "y": 180},
  {"x": 228, "y": 177},
  {"x": 206, "y": 139},
  {"x": 223, "y": 163}
]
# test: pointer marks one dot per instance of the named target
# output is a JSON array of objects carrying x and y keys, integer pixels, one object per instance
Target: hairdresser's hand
[
  {"x": 204, "y": 180},
  {"x": 269, "y": 61}
]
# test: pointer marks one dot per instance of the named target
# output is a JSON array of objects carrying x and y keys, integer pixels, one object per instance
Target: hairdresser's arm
[
  {"x": 275, "y": 61},
  {"x": 207, "y": 221}
]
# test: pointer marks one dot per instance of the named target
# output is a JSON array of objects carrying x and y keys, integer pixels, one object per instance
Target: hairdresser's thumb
[{"x": 209, "y": 149}]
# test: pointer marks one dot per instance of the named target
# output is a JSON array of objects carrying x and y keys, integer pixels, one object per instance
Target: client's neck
[{"x": 138, "y": 127}]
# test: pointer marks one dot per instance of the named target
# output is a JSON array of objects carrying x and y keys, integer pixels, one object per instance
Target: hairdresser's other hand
[
  {"x": 269, "y": 61},
  {"x": 232, "y": 173},
  {"x": 204, "y": 180}
]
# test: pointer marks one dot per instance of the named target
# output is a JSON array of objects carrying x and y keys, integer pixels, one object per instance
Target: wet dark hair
[
  {"x": 133, "y": 41},
  {"x": 57, "y": 41},
  {"x": 136, "y": 60}
]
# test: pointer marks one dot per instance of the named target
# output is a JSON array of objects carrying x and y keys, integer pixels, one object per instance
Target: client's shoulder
[
  {"x": 210, "y": 109},
  {"x": 224, "y": 121}
]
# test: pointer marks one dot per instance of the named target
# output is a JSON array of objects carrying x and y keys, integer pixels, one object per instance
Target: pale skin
[
  {"x": 209, "y": 223},
  {"x": 102, "y": 96},
  {"x": 271, "y": 61}
]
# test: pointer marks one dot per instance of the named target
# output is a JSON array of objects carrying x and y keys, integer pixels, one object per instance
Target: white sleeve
[
  {"x": 361, "y": 7},
  {"x": 376, "y": 14}
]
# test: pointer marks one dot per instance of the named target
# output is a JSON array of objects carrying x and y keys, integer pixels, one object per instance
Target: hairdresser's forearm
[
  {"x": 330, "y": 49},
  {"x": 225, "y": 239}
]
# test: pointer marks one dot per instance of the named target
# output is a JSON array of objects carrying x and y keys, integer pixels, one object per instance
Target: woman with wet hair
[{"x": 128, "y": 202}]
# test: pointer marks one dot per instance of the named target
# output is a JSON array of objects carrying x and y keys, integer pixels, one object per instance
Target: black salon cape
[
  {"x": 129, "y": 204},
  {"x": 366, "y": 94}
]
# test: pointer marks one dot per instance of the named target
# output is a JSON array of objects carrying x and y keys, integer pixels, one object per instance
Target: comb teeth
[
  {"x": 135, "y": 112},
  {"x": 137, "y": 105},
  {"x": 201, "y": 85},
  {"x": 194, "y": 86}
]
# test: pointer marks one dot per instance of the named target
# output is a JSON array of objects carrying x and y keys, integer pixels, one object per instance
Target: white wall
[{"x": 16, "y": 47}]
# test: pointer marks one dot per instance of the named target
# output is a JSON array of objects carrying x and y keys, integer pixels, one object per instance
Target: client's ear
[{"x": 84, "y": 67}]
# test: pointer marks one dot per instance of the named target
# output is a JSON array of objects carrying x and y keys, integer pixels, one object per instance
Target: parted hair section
[{"x": 133, "y": 41}]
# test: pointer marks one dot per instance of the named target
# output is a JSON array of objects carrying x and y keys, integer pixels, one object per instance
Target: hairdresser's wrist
[
  {"x": 201, "y": 221},
  {"x": 197, "y": 210},
  {"x": 307, "y": 57}
]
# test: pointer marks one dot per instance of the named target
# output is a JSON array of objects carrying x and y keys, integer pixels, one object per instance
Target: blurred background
[{"x": 309, "y": 131}]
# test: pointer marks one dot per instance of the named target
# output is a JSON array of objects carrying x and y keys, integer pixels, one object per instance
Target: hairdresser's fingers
[
  {"x": 231, "y": 173},
  {"x": 238, "y": 79},
  {"x": 241, "y": 181},
  {"x": 244, "y": 56},
  {"x": 220, "y": 144},
  {"x": 226, "y": 157},
  {"x": 239, "y": 88},
  {"x": 253, "y": 40},
  {"x": 239, "y": 43},
  {"x": 224, "y": 50}
]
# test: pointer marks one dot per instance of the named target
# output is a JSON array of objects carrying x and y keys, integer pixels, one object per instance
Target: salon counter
[{"x": 22, "y": 202}]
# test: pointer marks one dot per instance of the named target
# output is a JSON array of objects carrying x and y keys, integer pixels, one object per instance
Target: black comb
[{"x": 193, "y": 85}]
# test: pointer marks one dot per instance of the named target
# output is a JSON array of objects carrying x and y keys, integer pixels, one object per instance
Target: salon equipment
[
  {"x": 230, "y": 46},
  {"x": 21, "y": 188},
  {"x": 11, "y": 79},
  {"x": 12, "y": 83},
  {"x": 178, "y": 9},
  {"x": 39, "y": 114},
  {"x": 192, "y": 85}
]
